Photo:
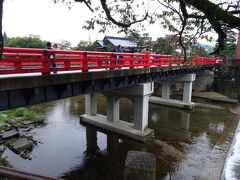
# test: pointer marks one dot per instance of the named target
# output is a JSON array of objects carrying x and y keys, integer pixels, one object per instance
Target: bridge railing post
[
  {"x": 18, "y": 65},
  {"x": 112, "y": 61},
  {"x": 132, "y": 61},
  {"x": 85, "y": 62},
  {"x": 147, "y": 59},
  {"x": 46, "y": 63},
  {"x": 100, "y": 62},
  {"x": 67, "y": 64}
]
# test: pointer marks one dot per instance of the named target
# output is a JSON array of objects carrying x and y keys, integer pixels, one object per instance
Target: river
[{"x": 67, "y": 149}]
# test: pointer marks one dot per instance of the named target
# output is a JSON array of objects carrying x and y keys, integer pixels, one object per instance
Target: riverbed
[{"x": 200, "y": 140}]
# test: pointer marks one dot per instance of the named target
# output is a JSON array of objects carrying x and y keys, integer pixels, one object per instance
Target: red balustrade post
[
  {"x": 147, "y": 59},
  {"x": 132, "y": 61},
  {"x": 18, "y": 65},
  {"x": 112, "y": 61},
  {"x": 85, "y": 62},
  {"x": 225, "y": 59},
  {"x": 99, "y": 63},
  {"x": 67, "y": 65},
  {"x": 45, "y": 63}
]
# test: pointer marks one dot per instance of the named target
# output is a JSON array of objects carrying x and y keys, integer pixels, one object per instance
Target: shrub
[
  {"x": 39, "y": 119},
  {"x": 29, "y": 115},
  {"x": 3, "y": 118},
  {"x": 20, "y": 112}
]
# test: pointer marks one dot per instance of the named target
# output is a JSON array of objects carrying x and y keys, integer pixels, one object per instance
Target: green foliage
[
  {"x": 3, "y": 118},
  {"x": 110, "y": 48},
  {"x": 32, "y": 41},
  {"x": 39, "y": 119},
  {"x": 3, "y": 162},
  {"x": 3, "y": 128},
  {"x": 230, "y": 48},
  {"x": 198, "y": 51},
  {"x": 20, "y": 112},
  {"x": 30, "y": 115},
  {"x": 85, "y": 46},
  {"x": 141, "y": 40},
  {"x": 162, "y": 46}
]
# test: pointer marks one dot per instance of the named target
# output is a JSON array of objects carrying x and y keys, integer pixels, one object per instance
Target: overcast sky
[{"x": 54, "y": 22}]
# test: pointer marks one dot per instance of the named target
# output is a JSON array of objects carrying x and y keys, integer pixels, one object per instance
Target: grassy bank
[{"x": 17, "y": 116}]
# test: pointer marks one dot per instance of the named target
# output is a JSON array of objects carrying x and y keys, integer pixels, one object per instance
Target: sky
[{"x": 55, "y": 22}]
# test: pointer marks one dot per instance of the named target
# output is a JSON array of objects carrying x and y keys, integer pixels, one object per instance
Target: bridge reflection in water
[
  {"x": 190, "y": 134},
  {"x": 73, "y": 151}
]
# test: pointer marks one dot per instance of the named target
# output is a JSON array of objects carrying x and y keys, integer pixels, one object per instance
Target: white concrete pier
[
  {"x": 139, "y": 95},
  {"x": 186, "y": 103}
]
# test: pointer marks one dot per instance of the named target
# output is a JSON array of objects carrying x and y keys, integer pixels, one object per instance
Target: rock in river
[
  {"x": 22, "y": 144},
  {"x": 140, "y": 165},
  {"x": 10, "y": 134},
  {"x": 236, "y": 110},
  {"x": 27, "y": 122}
]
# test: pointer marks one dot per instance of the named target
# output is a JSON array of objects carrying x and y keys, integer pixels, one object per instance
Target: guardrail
[
  {"x": 10, "y": 173},
  {"x": 23, "y": 60},
  {"x": 233, "y": 62}
]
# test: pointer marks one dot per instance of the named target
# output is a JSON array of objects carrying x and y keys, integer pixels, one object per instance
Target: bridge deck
[{"x": 37, "y": 80}]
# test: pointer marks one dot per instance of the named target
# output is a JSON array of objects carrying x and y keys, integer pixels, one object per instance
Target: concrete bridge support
[
  {"x": 187, "y": 81},
  {"x": 139, "y": 95}
]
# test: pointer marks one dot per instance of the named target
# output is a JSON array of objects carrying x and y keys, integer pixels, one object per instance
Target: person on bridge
[
  {"x": 55, "y": 46},
  {"x": 51, "y": 56},
  {"x": 119, "y": 50}
]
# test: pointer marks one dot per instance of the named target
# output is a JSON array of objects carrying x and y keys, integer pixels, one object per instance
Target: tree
[
  {"x": 85, "y": 46},
  {"x": 191, "y": 19},
  {"x": 32, "y": 41},
  {"x": 5, "y": 36},
  {"x": 162, "y": 46},
  {"x": 230, "y": 48},
  {"x": 141, "y": 40},
  {"x": 198, "y": 51},
  {"x": 65, "y": 45},
  {"x": 110, "y": 48}
]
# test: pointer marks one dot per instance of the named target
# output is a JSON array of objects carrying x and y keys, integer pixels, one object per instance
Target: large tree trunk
[
  {"x": 214, "y": 13},
  {"x": 1, "y": 36},
  {"x": 237, "y": 56}
]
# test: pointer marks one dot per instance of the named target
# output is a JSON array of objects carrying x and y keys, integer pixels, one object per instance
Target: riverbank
[{"x": 14, "y": 125}]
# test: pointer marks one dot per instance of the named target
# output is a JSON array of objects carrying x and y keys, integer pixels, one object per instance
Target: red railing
[
  {"x": 233, "y": 62},
  {"x": 23, "y": 60}
]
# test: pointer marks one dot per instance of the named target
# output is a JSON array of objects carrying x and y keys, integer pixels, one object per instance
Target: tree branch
[
  {"x": 109, "y": 16},
  {"x": 87, "y": 4},
  {"x": 207, "y": 7},
  {"x": 184, "y": 22}
]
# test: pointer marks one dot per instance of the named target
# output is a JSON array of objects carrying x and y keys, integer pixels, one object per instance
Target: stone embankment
[{"x": 14, "y": 128}]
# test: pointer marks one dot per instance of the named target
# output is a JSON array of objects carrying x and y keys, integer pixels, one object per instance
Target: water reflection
[
  {"x": 106, "y": 163},
  {"x": 187, "y": 144}
]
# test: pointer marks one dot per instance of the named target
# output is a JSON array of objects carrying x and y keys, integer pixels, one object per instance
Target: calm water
[{"x": 200, "y": 140}]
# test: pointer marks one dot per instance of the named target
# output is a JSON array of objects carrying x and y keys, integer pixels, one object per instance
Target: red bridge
[
  {"x": 25, "y": 74},
  {"x": 116, "y": 75},
  {"x": 21, "y": 60}
]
